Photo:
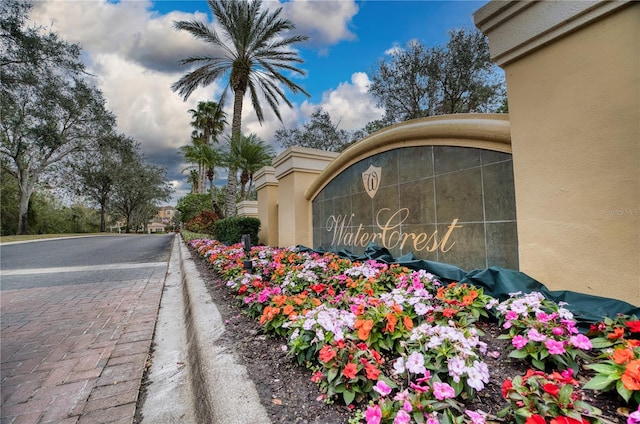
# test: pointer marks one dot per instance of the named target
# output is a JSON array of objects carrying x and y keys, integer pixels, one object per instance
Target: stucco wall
[{"x": 575, "y": 128}]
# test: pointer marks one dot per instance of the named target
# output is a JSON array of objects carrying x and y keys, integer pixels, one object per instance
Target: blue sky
[{"x": 133, "y": 51}]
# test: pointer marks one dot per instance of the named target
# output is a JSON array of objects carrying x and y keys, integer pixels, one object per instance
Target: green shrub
[
  {"x": 230, "y": 230},
  {"x": 204, "y": 223},
  {"x": 192, "y": 204}
]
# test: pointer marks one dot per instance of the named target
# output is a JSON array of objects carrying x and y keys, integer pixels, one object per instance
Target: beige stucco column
[
  {"x": 295, "y": 170},
  {"x": 247, "y": 208},
  {"x": 267, "y": 189},
  {"x": 573, "y": 79}
]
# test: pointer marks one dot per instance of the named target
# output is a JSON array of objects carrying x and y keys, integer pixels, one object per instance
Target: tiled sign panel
[{"x": 447, "y": 204}]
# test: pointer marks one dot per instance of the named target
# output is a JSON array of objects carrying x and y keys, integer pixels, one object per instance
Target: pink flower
[
  {"x": 402, "y": 417},
  {"x": 519, "y": 341},
  {"x": 555, "y": 347},
  {"x": 581, "y": 342},
  {"x": 443, "y": 391},
  {"x": 557, "y": 331},
  {"x": 634, "y": 417},
  {"x": 476, "y": 417},
  {"x": 536, "y": 336},
  {"x": 511, "y": 315},
  {"x": 382, "y": 388},
  {"x": 407, "y": 406},
  {"x": 373, "y": 414}
]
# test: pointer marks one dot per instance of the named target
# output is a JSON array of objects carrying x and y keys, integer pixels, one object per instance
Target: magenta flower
[
  {"x": 519, "y": 341},
  {"x": 443, "y": 391},
  {"x": 402, "y": 417},
  {"x": 382, "y": 388},
  {"x": 555, "y": 347},
  {"x": 634, "y": 417},
  {"x": 373, "y": 414}
]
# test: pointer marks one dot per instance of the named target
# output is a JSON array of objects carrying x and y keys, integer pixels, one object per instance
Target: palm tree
[
  {"x": 249, "y": 155},
  {"x": 252, "y": 53},
  {"x": 207, "y": 158},
  {"x": 208, "y": 121}
]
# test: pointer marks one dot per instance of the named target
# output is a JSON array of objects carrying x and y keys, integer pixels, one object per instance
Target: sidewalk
[{"x": 77, "y": 353}]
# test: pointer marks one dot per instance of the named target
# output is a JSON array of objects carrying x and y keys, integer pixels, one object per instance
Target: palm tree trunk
[{"x": 232, "y": 179}]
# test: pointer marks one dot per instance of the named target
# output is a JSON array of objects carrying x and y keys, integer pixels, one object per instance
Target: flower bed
[{"x": 399, "y": 346}]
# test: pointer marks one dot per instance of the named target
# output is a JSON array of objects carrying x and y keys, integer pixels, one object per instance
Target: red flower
[
  {"x": 631, "y": 376},
  {"x": 391, "y": 322},
  {"x": 617, "y": 333},
  {"x": 506, "y": 387},
  {"x": 449, "y": 312},
  {"x": 316, "y": 377},
  {"x": 622, "y": 356},
  {"x": 372, "y": 371},
  {"x": 408, "y": 323},
  {"x": 634, "y": 326},
  {"x": 535, "y": 419},
  {"x": 350, "y": 370},
  {"x": 552, "y": 389},
  {"x": 327, "y": 353}
]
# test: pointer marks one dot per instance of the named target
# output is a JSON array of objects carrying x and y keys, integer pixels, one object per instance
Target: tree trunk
[
  {"x": 232, "y": 178},
  {"x": 26, "y": 184}
]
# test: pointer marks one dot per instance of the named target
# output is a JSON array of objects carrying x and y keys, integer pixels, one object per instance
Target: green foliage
[
  {"x": 9, "y": 204},
  {"x": 230, "y": 230},
  {"x": 192, "y": 205},
  {"x": 457, "y": 78},
  {"x": 318, "y": 133},
  {"x": 203, "y": 223}
]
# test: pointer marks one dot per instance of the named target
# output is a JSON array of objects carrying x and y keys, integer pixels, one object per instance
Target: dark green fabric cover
[{"x": 499, "y": 282}]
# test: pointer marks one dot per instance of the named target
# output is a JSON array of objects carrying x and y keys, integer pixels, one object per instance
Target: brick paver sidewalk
[{"x": 76, "y": 353}]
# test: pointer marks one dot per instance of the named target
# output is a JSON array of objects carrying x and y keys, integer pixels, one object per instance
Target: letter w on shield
[{"x": 371, "y": 180}]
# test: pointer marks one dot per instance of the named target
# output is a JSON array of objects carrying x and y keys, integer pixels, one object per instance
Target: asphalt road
[{"x": 82, "y": 260}]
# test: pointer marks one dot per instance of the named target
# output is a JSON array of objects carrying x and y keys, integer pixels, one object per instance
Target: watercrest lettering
[{"x": 389, "y": 236}]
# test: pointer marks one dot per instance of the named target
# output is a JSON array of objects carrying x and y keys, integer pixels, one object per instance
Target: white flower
[
  {"x": 415, "y": 363},
  {"x": 398, "y": 366}
]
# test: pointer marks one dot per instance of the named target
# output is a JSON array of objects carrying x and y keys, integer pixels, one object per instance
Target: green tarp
[{"x": 499, "y": 283}]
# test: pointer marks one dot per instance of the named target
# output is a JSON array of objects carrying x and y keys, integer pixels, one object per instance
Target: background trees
[
  {"x": 56, "y": 136},
  {"x": 457, "y": 78},
  {"x": 319, "y": 132},
  {"x": 251, "y": 54},
  {"x": 48, "y": 111}
]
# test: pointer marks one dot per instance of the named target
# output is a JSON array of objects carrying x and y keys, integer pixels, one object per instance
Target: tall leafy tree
[
  {"x": 457, "y": 78},
  {"x": 249, "y": 155},
  {"x": 48, "y": 111},
  {"x": 319, "y": 132},
  {"x": 138, "y": 189},
  {"x": 252, "y": 52},
  {"x": 94, "y": 178}
]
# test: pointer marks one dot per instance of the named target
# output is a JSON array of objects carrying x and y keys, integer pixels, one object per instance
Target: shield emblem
[{"x": 371, "y": 180}]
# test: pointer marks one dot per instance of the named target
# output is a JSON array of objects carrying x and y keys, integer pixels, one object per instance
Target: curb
[{"x": 215, "y": 388}]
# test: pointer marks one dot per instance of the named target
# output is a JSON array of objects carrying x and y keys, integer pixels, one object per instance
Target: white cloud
[
  {"x": 134, "y": 54},
  {"x": 326, "y": 22},
  {"x": 350, "y": 103}
]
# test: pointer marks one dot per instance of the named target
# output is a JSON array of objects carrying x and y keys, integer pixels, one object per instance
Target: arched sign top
[{"x": 483, "y": 131}]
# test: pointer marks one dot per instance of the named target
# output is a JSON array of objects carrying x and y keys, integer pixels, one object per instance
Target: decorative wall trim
[
  {"x": 485, "y": 131},
  {"x": 516, "y": 27}
]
